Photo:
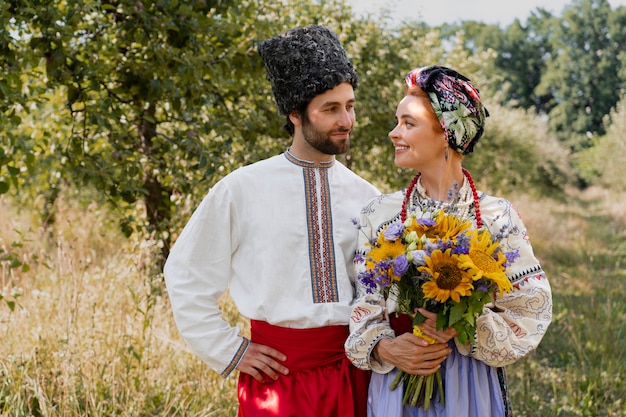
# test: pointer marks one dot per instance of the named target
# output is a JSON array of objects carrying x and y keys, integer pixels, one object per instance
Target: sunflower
[
  {"x": 447, "y": 226},
  {"x": 484, "y": 259},
  {"x": 448, "y": 279},
  {"x": 384, "y": 251}
]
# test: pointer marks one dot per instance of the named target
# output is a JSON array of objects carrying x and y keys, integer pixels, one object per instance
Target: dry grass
[
  {"x": 92, "y": 332},
  {"x": 579, "y": 368}
]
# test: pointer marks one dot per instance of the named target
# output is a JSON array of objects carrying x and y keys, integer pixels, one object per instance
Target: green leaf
[
  {"x": 457, "y": 311},
  {"x": 418, "y": 319}
]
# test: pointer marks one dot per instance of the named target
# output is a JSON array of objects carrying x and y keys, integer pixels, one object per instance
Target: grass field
[{"x": 87, "y": 330}]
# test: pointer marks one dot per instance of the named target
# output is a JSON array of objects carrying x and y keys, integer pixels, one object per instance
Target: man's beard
[{"x": 321, "y": 141}]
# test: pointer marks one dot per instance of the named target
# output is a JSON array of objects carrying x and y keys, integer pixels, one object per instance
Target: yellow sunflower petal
[
  {"x": 480, "y": 263},
  {"x": 448, "y": 280}
]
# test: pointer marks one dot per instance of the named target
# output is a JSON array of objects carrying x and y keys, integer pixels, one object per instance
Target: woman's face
[{"x": 418, "y": 138}]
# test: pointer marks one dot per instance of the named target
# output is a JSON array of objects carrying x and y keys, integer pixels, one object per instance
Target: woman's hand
[
  {"x": 412, "y": 354},
  {"x": 429, "y": 327}
]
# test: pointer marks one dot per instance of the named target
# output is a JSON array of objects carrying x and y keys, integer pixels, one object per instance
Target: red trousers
[{"x": 321, "y": 381}]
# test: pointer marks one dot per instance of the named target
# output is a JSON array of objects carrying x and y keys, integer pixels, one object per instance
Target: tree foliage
[
  {"x": 150, "y": 102},
  {"x": 161, "y": 98},
  {"x": 17, "y": 93},
  {"x": 603, "y": 162},
  {"x": 522, "y": 55},
  {"x": 582, "y": 75}
]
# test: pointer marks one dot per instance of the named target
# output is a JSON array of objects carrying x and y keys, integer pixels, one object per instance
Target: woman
[{"x": 439, "y": 121}]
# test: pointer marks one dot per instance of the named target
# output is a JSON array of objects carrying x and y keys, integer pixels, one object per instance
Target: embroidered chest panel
[{"x": 320, "y": 231}]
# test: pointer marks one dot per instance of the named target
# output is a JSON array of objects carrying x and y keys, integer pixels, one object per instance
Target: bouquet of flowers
[{"x": 443, "y": 264}]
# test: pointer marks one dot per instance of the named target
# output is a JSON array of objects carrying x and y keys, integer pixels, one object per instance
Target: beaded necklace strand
[{"x": 470, "y": 180}]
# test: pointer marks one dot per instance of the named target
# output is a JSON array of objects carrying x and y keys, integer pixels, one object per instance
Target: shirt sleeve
[
  {"x": 513, "y": 324},
  {"x": 369, "y": 320},
  {"x": 197, "y": 273}
]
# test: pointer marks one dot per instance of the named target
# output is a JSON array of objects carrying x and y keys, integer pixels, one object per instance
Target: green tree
[
  {"x": 617, "y": 37},
  {"x": 603, "y": 162},
  {"x": 17, "y": 67},
  {"x": 162, "y": 98},
  {"x": 522, "y": 56},
  {"x": 150, "y": 103},
  {"x": 146, "y": 83},
  {"x": 581, "y": 76}
]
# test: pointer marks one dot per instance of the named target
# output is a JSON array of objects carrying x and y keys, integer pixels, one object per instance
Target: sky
[{"x": 437, "y": 12}]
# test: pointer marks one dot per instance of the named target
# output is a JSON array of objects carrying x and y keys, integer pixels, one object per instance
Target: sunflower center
[
  {"x": 484, "y": 261},
  {"x": 450, "y": 275}
]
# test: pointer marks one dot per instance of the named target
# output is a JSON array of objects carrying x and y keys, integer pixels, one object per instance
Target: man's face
[{"x": 328, "y": 121}]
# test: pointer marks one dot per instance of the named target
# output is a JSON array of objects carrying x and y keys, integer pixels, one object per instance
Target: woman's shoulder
[
  {"x": 493, "y": 204},
  {"x": 383, "y": 207},
  {"x": 499, "y": 212},
  {"x": 390, "y": 200}
]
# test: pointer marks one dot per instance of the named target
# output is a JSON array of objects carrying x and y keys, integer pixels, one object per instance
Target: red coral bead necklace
[{"x": 470, "y": 180}]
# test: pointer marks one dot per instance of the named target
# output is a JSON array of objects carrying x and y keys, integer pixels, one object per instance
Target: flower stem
[
  {"x": 428, "y": 391},
  {"x": 442, "y": 395},
  {"x": 416, "y": 392},
  {"x": 396, "y": 380}
]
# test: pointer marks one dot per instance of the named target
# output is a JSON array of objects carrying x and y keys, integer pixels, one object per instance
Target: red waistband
[{"x": 305, "y": 348}]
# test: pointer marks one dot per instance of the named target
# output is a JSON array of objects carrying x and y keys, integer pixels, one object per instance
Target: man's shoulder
[
  {"x": 255, "y": 168},
  {"x": 354, "y": 177}
]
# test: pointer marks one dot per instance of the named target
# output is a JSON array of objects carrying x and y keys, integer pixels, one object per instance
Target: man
[{"x": 279, "y": 235}]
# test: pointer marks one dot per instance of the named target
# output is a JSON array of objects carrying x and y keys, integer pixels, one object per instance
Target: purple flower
[
  {"x": 381, "y": 276},
  {"x": 394, "y": 231},
  {"x": 463, "y": 241},
  {"x": 431, "y": 245},
  {"x": 481, "y": 286},
  {"x": 510, "y": 257},
  {"x": 367, "y": 279},
  {"x": 426, "y": 222},
  {"x": 384, "y": 265},
  {"x": 400, "y": 265},
  {"x": 460, "y": 250},
  {"x": 418, "y": 257}
]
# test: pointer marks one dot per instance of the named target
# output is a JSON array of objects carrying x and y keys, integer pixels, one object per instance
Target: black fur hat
[{"x": 303, "y": 63}]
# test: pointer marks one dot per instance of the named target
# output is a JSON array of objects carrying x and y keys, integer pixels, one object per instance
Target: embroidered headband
[{"x": 456, "y": 103}]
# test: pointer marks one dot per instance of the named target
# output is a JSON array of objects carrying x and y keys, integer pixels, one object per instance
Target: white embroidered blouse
[{"x": 508, "y": 328}]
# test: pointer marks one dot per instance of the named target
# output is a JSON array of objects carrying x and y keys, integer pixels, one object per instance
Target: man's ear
[{"x": 296, "y": 118}]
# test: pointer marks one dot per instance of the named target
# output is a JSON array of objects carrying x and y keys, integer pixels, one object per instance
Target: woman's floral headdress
[{"x": 456, "y": 103}]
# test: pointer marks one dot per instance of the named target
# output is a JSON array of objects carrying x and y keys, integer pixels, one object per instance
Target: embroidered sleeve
[
  {"x": 368, "y": 324},
  {"x": 514, "y": 324},
  {"x": 368, "y": 321}
]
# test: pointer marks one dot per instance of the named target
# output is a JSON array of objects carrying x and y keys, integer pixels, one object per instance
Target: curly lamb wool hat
[{"x": 303, "y": 63}]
